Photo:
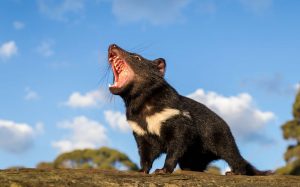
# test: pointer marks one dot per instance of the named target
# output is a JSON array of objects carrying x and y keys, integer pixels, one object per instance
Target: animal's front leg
[
  {"x": 174, "y": 152},
  {"x": 148, "y": 153},
  {"x": 146, "y": 159}
]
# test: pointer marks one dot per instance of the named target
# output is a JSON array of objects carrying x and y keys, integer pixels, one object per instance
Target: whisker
[
  {"x": 105, "y": 75},
  {"x": 141, "y": 47}
]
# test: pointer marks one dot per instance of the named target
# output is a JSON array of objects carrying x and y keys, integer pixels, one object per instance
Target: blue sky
[{"x": 239, "y": 57}]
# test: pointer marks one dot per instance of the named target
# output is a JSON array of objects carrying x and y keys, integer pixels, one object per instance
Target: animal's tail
[
  {"x": 248, "y": 169},
  {"x": 263, "y": 173},
  {"x": 251, "y": 170}
]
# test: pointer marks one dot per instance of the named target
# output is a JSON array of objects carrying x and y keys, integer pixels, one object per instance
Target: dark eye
[{"x": 138, "y": 57}]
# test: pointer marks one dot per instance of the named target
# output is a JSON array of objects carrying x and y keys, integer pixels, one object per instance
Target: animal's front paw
[
  {"x": 144, "y": 171},
  {"x": 228, "y": 173},
  {"x": 162, "y": 171}
]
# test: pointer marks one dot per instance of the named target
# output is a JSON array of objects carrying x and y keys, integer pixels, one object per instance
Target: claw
[
  {"x": 229, "y": 173},
  {"x": 143, "y": 171},
  {"x": 161, "y": 171}
]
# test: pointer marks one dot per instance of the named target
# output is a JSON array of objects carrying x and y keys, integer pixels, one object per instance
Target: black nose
[{"x": 113, "y": 46}]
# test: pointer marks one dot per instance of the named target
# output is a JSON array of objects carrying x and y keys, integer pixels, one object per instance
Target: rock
[{"x": 93, "y": 177}]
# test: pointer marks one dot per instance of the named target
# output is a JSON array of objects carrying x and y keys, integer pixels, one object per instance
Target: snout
[
  {"x": 114, "y": 50},
  {"x": 113, "y": 46}
]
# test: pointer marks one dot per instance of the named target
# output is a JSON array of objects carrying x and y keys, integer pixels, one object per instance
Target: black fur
[{"x": 191, "y": 141}]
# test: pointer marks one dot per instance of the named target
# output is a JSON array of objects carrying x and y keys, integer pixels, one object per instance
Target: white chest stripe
[
  {"x": 155, "y": 121},
  {"x": 136, "y": 128}
]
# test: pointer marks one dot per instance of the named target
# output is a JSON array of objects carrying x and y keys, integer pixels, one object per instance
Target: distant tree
[
  {"x": 291, "y": 130},
  {"x": 16, "y": 167},
  {"x": 103, "y": 158},
  {"x": 45, "y": 165}
]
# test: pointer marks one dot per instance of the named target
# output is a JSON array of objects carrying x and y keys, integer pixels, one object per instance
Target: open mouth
[{"x": 119, "y": 67}]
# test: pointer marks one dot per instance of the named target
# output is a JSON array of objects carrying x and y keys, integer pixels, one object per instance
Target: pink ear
[{"x": 161, "y": 65}]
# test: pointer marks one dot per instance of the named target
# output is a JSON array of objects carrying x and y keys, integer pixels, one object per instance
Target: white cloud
[
  {"x": 88, "y": 100},
  {"x": 64, "y": 10},
  {"x": 39, "y": 128},
  {"x": 18, "y": 25},
  {"x": 117, "y": 120},
  {"x": 84, "y": 133},
  {"x": 8, "y": 49},
  {"x": 297, "y": 87},
  {"x": 257, "y": 6},
  {"x": 207, "y": 7},
  {"x": 31, "y": 95},
  {"x": 60, "y": 64},
  {"x": 156, "y": 12},
  {"x": 274, "y": 84},
  {"x": 46, "y": 48},
  {"x": 17, "y": 137},
  {"x": 239, "y": 111}
]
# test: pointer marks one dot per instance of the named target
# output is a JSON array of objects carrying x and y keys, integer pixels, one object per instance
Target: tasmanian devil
[{"x": 163, "y": 121}]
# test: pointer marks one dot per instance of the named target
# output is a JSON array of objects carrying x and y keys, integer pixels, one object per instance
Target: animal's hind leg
[
  {"x": 239, "y": 166},
  {"x": 195, "y": 161},
  {"x": 230, "y": 153}
]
